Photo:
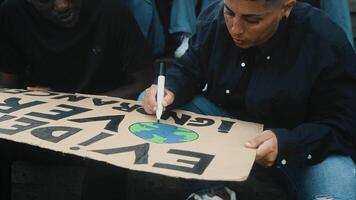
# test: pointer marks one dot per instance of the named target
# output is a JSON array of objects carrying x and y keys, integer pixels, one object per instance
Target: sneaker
[
  {"x": 223, "y": 193},
  {"x": 182, "y": 48}
]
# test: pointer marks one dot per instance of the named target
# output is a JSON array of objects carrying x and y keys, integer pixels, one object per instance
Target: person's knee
[
  {"x": 198, "y": 104},
  {"x": 333, "y": 178},
  {"x": 200, "y": 101},
  {"x": 344, "y": 166}
]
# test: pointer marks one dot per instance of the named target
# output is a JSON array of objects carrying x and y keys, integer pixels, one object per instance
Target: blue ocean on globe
[{"x": 160, "y": 133}]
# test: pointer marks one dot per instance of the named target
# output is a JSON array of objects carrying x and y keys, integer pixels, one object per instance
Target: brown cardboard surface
[{"x": 97, "y": 127}]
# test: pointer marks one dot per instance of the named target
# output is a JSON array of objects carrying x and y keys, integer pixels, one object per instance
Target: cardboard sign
[{"x": 119, "y": 132}]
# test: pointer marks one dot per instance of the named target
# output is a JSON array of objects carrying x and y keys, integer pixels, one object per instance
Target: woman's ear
[{"x": 287, "y": 7}]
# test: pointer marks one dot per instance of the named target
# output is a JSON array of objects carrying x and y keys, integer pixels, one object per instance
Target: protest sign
[{"x": 119, "y": 132}]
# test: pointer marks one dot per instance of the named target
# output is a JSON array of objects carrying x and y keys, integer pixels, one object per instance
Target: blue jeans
[
  {"x": 334, "y": 177},
  {"x": 339, "y": 12},
  {"x": 183, "y": 16},
  {"x": 202, "y": 105},
  {"x": 206, "y": 3},
  {"x": 147, "y": 17}
]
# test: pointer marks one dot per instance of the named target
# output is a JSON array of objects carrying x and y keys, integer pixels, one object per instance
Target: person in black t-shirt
[{"x": 85, "y": 46}]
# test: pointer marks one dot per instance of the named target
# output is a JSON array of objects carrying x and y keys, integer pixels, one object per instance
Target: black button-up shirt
[{"x": 301, "y": 83}]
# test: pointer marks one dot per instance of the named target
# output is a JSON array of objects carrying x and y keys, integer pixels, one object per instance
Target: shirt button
[
  {"x": 268, "y": 57},
  {"x": 243, "y": 64},
  {"x": 96, "y": 51},
  {"x": 283, "y": 162},
  {"x": 227, "y": 91},
  {"x": 309, "y": 157}
]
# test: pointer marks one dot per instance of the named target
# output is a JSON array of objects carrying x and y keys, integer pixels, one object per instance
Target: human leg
[
  {"x": 204, "y": 106},
  {"x": 148, "y": 19},
  {"x": 182, "y": 24},
  {"x": 206, "y": 3},
  {"x": 333, "y": 178},
  {"x": 339, "y": 12},
  {"x": 183, "y": 17},
  {"x": 156, "y": 36}
]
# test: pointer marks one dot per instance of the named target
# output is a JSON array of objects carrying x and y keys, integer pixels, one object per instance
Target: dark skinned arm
[
  {"x": 140, "y": 81},
  {"x": 15, "y": 81},
  {"x": 10, "y": 80}
]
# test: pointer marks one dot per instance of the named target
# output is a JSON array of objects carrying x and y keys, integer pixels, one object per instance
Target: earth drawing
[{"x": 162, "y": 133}]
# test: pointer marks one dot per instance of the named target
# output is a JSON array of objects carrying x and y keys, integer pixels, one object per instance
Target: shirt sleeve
[
  {"x": 330, "y": 127},
  {"x": 186, "y": 77},
  {"x": 11, "y": 59}
]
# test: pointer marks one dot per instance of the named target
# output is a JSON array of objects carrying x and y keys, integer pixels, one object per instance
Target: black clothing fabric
[
  {"x": 98, "y": 54},
  {"x": 301, "y": 85}
]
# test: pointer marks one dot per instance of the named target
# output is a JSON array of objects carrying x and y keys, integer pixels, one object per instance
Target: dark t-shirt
[{"x": 96, "y": 55}]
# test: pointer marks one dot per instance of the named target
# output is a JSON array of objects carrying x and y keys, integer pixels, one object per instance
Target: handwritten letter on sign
[{"x": 119, "y": 132}]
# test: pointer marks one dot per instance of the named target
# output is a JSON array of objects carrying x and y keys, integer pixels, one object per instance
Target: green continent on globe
[
  {"x": 157, "y": 139},
  {"x": 188, "y": 136},
  {"x": 139, "y": 127},
  {"x": 162, "y": 133}
]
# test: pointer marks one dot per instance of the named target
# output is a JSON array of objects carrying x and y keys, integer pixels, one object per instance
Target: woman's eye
[
  {"x": 252, "y": 21},
  {"x": 229, "y": 13}
]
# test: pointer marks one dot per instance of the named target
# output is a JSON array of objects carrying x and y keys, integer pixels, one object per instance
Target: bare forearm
[
  {"x": 9, "y": 81},
  {"x": 140, "y": 81}
]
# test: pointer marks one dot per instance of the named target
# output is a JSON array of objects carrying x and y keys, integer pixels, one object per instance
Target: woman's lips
[{"x": 239, "y": 41}]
